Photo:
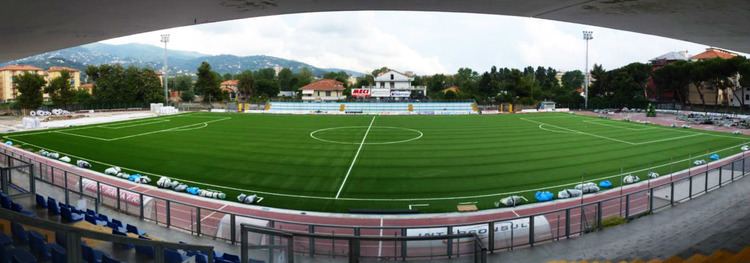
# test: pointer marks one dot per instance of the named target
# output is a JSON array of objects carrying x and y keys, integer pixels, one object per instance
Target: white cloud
[{"x": 424, "y": 42}]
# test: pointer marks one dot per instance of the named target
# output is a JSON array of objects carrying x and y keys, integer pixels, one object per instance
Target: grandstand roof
[{"x": 325, "y": 84}]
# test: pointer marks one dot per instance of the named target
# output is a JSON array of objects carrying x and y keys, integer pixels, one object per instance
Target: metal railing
[
  {"x": 72, "y": 236},
  {"x": 575, "y": 219},
  {"x": 353, "y": 248}
]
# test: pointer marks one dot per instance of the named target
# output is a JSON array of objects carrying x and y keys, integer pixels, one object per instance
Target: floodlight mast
[
  {"x": 165, "y": 40},
  {"x": 587, "y": 35}
]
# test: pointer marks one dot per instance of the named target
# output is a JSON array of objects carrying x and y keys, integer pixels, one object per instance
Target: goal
[{"x": 547, "y": 106}]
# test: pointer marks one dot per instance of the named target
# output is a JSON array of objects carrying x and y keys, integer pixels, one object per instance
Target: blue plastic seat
[
  {"x": 91, "y": 255},
  {"x": 230, "y": 257},
  {"x": 5, "y": 201},
  {"x": 40, "y": 201},
  {"x": 19, "y": 208},
  {"x": 39, "y": 246},
  {"x": 52, "y": 207},
  {"x": 145, "y": 251},
  {"x": 103, "y": 217},
  {"x": 68, "y": 216},
  {"x": 5, "y": 240},
  {"x": 107, "y": 259},
  {"x": 133, "y": 229},
  {"x": 116, "y": 222},
  {"x": 121, "y": 245},
  {"x": 172, "y": 256},
  {"x": 19, "y": 234},
  {"x": 20, "y": 256},
  {"x": 59, "y": 255}
]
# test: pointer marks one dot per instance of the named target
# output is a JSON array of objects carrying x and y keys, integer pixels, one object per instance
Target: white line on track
[
  {"x": 380, "y": 243},
  {"x": 514, "y": 212},
  {"x": 362, "y": 143},
  {"x": 214, "y": 212}
]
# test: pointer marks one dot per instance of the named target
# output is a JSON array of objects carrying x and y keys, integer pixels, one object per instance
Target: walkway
[{"x": 717, "y": 220}]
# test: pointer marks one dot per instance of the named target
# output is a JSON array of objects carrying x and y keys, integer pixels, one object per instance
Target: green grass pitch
[{"x": 334, "y": 163}]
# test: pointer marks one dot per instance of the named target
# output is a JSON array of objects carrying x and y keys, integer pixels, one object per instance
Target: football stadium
[
  {"x": 282, "y": 131},
  {"x": 381, "y": 162}
]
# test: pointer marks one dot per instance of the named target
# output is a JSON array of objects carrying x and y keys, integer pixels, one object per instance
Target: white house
[
  {"x": 323, "y": 90},
  {"x": 394, "y": 84}
]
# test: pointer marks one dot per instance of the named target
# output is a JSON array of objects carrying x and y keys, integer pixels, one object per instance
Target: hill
[{"x": 180, "y": 62}]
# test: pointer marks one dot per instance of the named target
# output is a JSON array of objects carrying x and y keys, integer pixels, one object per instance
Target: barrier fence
[{"x": 350, "y": 243}]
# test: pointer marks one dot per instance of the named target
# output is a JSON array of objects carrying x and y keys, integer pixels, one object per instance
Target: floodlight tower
[
  {"x": 587, "y": 35},
  {"x": 165, "y": 40}
]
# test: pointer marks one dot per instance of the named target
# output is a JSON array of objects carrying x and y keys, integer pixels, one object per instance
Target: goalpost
[{"x": 547, "y": 106}]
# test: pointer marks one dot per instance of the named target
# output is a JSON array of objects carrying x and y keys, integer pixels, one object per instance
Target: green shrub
[{"x": 613, "y": 221}]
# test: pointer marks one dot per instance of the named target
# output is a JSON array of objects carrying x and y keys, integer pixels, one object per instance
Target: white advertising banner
[
  {"x": 380, "y": 92},
  {"x": 400, "y": 93},
  {"x": 517, "y": 229}
]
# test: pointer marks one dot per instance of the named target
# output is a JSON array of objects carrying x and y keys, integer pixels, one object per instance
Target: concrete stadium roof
[{"x": 32, "y": 27}]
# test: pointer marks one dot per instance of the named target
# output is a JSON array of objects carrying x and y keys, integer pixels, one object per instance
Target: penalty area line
[{"x": 362, "y": 143}]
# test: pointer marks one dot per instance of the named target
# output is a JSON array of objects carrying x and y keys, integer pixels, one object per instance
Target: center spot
[{"x": 377, "y": 135}]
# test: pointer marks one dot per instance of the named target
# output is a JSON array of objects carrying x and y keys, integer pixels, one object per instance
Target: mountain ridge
[{"x": 180, "y": 62}]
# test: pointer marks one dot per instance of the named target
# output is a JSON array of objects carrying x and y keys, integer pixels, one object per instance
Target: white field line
[
  {"x": 620, "y": 127},
  {"x": 354, "y": 160},
  {"x": 85, "y": 127},
  {"x": 180, "y": 128},
  {"x": 117, "y": 127},
  {"x": 670, "y": 139},
  {"x": 541, "y": 126},
  {"x": 398, "y": 199},
  {"x": 580, "y": 132},
  {"x": 613, "y": 139}
]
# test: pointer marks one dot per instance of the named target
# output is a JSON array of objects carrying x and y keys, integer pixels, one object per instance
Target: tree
[
  {"x": 674, "y": 77},
  {"x": 208, "y": 84},
  {"x": 182, "y": 83},
  {"x": 29, "y": 86},
  {"x": 286, "y": 79},
  {"x": 266, "y": 88},
  {"x": 82, "y": 97},
  {"x": 245, "y": 85},
  {"x": 304, "y": 77},
  {"x": 266, "y": 73},
  {"x": 572, "y": 80},
  {"x": 227, "y": 76},
  {"x": 379, "y": 71},
  {"x": 60, "y": 90},
  {"x": 187, "y": 96}
]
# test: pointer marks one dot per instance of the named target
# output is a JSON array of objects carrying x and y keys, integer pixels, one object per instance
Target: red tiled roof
[
  {"x": 56, "y": 68},
  {"x": 325, "y": 85},
  {"x": 231, "y": 82},
  {"x": 714, "y": 53},
  {"x": 20, "y": 67}
]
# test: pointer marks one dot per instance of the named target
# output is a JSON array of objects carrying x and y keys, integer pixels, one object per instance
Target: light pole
[
  {"x": 165, "y": 39},
  {"x": 587, "y": 35}
]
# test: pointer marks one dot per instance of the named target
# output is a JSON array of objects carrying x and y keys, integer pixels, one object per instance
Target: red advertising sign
[{"x": 361, "y": 93}]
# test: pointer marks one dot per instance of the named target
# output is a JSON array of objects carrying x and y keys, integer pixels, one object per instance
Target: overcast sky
[{"x": 423, "y": 42}]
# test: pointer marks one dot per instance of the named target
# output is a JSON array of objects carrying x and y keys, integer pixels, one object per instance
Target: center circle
[{"x": 377, "y": 135}]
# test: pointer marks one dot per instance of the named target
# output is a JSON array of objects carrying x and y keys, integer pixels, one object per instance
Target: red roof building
[
  {"x": 711, "y": 53},
  {"x": 324, "y": 90}
]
